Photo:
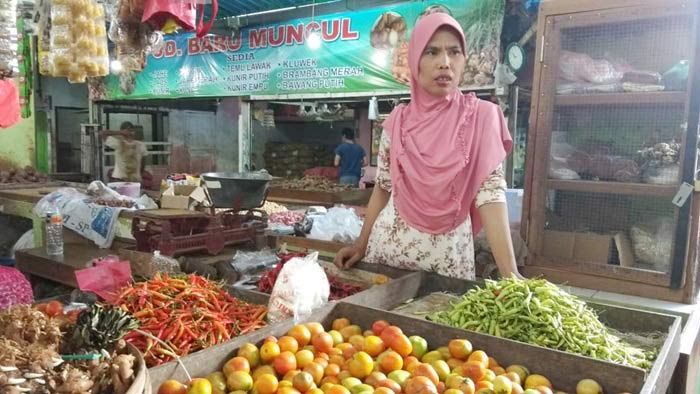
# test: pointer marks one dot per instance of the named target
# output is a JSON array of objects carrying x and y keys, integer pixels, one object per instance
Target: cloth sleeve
[
  {"x": 112, "y": 142},
  {"x": 383, "y": 162},
  {"x": 493, "y": 189}
]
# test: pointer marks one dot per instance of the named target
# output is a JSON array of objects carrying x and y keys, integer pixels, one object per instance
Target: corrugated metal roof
[{"x": 242, "y": 7}]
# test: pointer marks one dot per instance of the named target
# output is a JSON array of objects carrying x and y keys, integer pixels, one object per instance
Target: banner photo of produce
[
  {"x": 383, "y": 359},
  {"x": 360, "y": 51}
]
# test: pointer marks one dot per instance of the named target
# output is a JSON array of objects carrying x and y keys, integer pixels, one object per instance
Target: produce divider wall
[
  {"x": 625, "y": 320},
  {"x": 563, "y": 369}
]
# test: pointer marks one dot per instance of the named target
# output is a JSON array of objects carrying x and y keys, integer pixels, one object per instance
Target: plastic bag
[
  {"x": 161, "y": 263},
  {"x": 579, "y": 67},
  {"x": 652, "y": 242},
  {"x": 251, "y": 262},
  {"x": 26, "y": 241},
  {"x": 105, "y": 278},
  {"x": 340, "y": 224},
  {"x": 301, "y": 287}
]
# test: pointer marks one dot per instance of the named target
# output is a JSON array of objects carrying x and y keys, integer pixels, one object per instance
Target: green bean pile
[{"x": 537, "y": 312}]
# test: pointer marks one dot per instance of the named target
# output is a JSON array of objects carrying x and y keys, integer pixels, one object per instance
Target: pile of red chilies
[
  {"x": 189, "y": 314},
  {"x": 339, "y": 289}
]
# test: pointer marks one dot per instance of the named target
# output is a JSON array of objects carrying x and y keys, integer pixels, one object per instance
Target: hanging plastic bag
[
  {"x": 301, "y": 287},
  {"x": 158, "y": 12},
  {"x": 9, "y": 102}
]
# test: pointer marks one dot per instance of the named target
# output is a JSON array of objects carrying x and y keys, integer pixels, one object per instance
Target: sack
[{"x": 301, "y": 287}]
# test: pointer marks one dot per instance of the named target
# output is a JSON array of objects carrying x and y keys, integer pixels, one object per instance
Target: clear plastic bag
[
  {"x": 652, "y": 242},
  {"x": 252, "y": 262},
  {"x": 165, "y": 264},
  {"x": 340, "y": 224},
  {"x": 301, "y": 287}
]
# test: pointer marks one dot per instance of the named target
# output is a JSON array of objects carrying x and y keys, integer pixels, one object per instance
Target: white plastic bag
[
  {"x": 339, "y": 224},
  {"x": 301, "y": 287}
]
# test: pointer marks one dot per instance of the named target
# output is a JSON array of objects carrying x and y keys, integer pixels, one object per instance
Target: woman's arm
[
  {"x": 349, "y": 256},
  {"x": 494, "y": 217}
]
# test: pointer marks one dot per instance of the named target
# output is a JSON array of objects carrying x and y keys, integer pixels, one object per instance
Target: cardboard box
[
  {"x": 183, "y": 197},
  {"x": 584, "y": 247}
]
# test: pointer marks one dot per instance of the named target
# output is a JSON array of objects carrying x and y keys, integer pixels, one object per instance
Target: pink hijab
[{"x": 442, "y": 148}]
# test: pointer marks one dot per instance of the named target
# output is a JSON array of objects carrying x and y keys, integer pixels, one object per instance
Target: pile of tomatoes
[{"x": 346, "y": 360}]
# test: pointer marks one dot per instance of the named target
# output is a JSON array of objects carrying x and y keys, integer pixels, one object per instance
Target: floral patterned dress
[{"x": 393, "y": 242}]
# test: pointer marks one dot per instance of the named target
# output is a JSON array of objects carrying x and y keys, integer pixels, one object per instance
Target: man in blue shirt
[{"x": 350, "y": 157}]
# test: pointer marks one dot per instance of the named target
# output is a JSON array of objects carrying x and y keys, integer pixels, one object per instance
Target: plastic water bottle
[{"x": 54, "y": 233}]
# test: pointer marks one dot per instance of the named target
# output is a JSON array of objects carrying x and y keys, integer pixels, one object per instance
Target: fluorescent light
[
  {"x": 115, "y": 66},
  {"x": 313, "y": 40}
]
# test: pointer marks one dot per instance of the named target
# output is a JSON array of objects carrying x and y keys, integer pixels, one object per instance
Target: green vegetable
[
  {"x": 101, "y": 327},
  {"x": 537, "y": 312}
]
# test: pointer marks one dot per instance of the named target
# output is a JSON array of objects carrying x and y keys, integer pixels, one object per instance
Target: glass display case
[{"x": 613, "y": 104}]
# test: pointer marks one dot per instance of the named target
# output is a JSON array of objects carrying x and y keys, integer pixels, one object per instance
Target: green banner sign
[{"x": 361, "y": 51}]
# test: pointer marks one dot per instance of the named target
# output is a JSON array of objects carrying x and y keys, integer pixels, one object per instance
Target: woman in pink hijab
[{"x": 440, "y": 177}]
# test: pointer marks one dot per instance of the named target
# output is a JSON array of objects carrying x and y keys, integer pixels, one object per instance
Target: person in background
[
  {"x": 129, "y": 153},
  {"x": 350, "y": 157}
]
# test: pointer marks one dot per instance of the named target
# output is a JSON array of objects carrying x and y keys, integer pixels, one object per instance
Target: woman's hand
[{"x": 349, "y": 256}]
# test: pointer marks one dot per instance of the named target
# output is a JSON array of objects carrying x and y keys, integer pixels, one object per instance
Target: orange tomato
[
  {"x": 517, "y": 389},
  {"x": 304, "y": 358},
  {"x": 391, "y": 385},
  {"x": 330, "y": 379},
  {"x": 454, "y": 363},
  {"x": 480, "y": 356},
  {"x": 251, "y": 353},
  {"x": 270, "y": 339},
  {"x": 489, "y": 375},
  {"x": 301, "y": 333},
  {"x": 289, "y": 376},
  {"x": 440, "y": 387},
  {"x": 285, "y": 362},
  {"x": 282, "y": 390},
  {"x": 373, "y": 345},
  {"x": 390, "y": 361},
  {"x": 383, "y": 390},
  {"x": 468, "y": 386},
  {"x": 474, "y": 370},
  {"x": 357, "y": 341},
  {"x": 460, "y": 348},
  {"x": 484, "y": 385},
  {"x": 374, "y": 378},
  {"x": 420, "y": 385},
  {"x": 544, "y": 390},
  {"x": 390, "y": 332},
  {"x": 321, "y": 361},
  {"x": 236, "y": 364},
  {"x": 410, "y": 363},
  {"x": 514, "y": 377},
  {"x": 288, "y": 344},
  {"x": 172, "y": 387},
  {"x": 428, "y": 371},
  {"x": 303, "y": 382},
  {"x": 401, "y": 345},
  {"x": 315, "y": 328},
  {"x": 379, "y": 326},
  {"x": 499, "y": 371},
  {"x": 331, "y": 370},
  {"x": 266, "y": 384},
  {"x": 54, "y": 308},
  {"x": 263, "y": 370},
  {"x": 323, "y": 342},
  {"x": 339, "y": 324},
  {"x": 361, "y": 365},
  {"x": 338, "y": 389},
  {"x": 269, "y": 351},
  {"x": 315, "y": 391},
  {"x": 349, "y": 331},
  {"x": 316, "y": 370}
]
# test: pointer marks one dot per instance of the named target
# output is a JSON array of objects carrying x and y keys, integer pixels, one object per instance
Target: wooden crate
[
  {"x": 563, "y": 369},
  {"x": 363, "y": 274},
  {"x": 622, "y": 319}
]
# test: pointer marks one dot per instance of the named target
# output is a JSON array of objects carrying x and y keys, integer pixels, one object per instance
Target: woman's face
[{"x": 441, "y": 63}]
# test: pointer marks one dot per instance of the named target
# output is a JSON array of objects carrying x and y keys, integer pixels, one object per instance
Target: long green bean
[{"x": 536, "y": 311}]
